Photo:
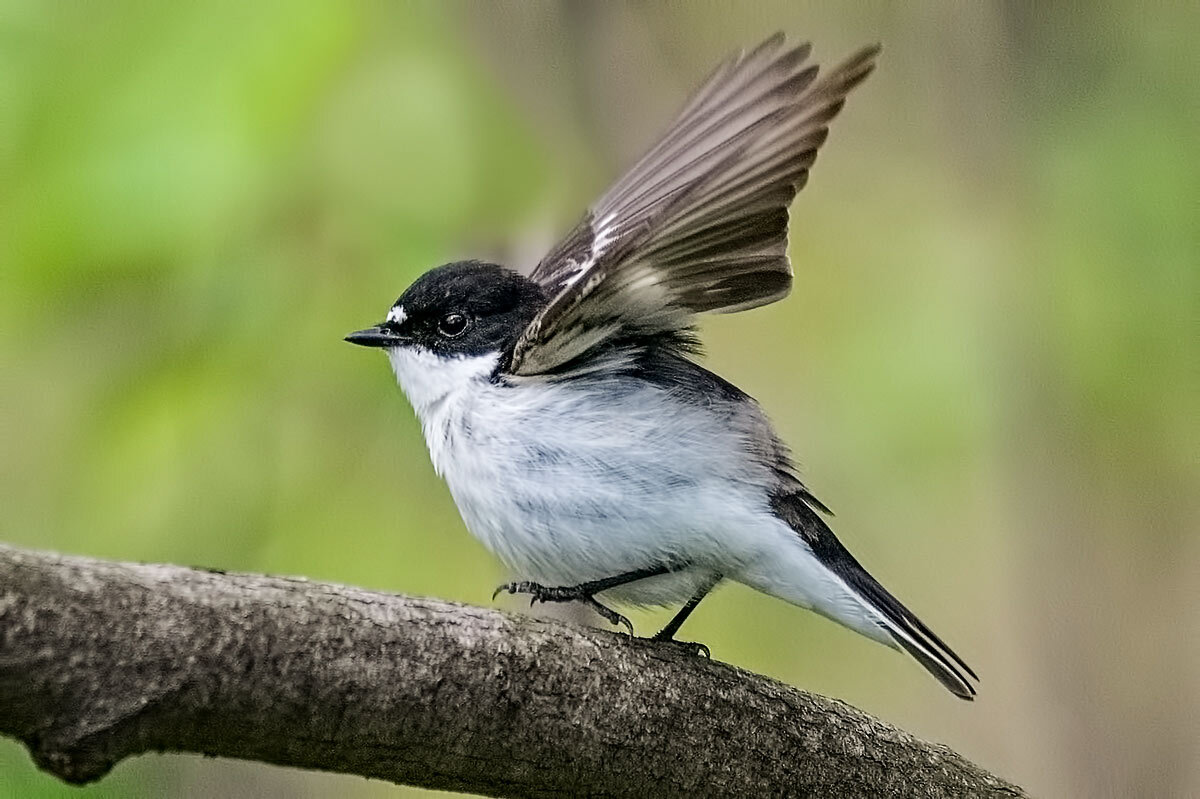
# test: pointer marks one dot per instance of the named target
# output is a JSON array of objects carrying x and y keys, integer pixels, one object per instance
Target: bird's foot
[
  {"x": 541, "y": 593},
  {"x": 691, "y": 647},
  {"x": 574, "y": 593}
]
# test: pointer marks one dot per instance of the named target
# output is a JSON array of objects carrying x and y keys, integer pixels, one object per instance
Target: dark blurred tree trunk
[{"x": 100, "y": 661}]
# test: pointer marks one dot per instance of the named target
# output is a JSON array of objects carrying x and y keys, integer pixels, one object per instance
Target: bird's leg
[
  {"x": 667, "y": 633},
  {"x": 584, "y": 592}
]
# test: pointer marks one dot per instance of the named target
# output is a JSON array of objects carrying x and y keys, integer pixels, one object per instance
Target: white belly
[{"x": 564, "y": 489}]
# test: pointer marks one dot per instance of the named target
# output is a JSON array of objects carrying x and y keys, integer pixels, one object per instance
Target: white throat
[
  {"x": 429, "y": 380},
  {"x": 442, "y": 390}
]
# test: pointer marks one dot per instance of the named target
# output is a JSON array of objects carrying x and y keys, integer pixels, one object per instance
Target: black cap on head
[{"x": 462, "y": 308}]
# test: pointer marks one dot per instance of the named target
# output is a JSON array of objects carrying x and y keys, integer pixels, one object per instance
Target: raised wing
[{"x": 700, "y": 222}]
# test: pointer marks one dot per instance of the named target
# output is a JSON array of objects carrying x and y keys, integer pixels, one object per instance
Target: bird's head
[{"x": 455, "y": 323}]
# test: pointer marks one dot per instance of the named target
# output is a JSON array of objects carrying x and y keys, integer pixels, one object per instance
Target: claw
[
  {"x": 518, "y": 588},
  {"x": 610, "y": 615},
  {"x": 691, "y": 647},
  {"x": 540, "y": 593}
]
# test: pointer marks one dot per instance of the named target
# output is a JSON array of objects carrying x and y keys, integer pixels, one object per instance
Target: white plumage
[{"x": 565, "y": 490}]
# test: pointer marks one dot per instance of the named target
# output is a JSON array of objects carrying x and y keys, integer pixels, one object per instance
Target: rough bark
[{"x": 101, "y": 660}]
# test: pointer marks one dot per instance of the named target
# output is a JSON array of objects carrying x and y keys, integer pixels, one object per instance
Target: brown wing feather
[{"x": 700, "y": 222}]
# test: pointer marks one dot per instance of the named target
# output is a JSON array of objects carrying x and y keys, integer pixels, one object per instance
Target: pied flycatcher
[{"x": 582, "y": 443}]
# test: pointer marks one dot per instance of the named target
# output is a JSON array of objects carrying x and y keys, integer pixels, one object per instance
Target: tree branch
[{"x": 100, "y": 661}]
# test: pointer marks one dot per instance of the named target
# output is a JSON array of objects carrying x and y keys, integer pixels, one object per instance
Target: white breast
[
  {"x": 443, "y": 392},
  {"x": 575, "y": 481},
  {"x": 597, "y": 476}
]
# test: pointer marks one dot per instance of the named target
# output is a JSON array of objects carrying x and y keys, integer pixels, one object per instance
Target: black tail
[{"x": 909, "y": 632}]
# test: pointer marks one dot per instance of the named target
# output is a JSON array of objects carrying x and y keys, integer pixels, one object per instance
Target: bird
[{"x": 565, "y": 406}]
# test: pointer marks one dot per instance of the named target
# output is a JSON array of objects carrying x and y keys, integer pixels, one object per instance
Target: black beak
[{"x": 377, "y": 336}]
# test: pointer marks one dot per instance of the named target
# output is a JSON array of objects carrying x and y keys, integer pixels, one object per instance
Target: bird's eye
[{"x": 453, "y": 325}]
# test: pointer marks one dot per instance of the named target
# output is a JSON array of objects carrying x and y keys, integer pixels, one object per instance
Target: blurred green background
[{"x": 988, "y": 367}]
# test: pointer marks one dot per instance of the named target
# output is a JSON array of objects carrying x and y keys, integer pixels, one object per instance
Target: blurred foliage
[{"x": 988, "y": 367}]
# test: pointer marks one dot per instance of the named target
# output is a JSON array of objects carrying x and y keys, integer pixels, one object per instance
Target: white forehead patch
[{"x": 397, "y": 315}]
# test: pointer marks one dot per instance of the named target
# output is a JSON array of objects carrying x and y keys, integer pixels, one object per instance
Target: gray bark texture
[{"x": 100, "y": 661}]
